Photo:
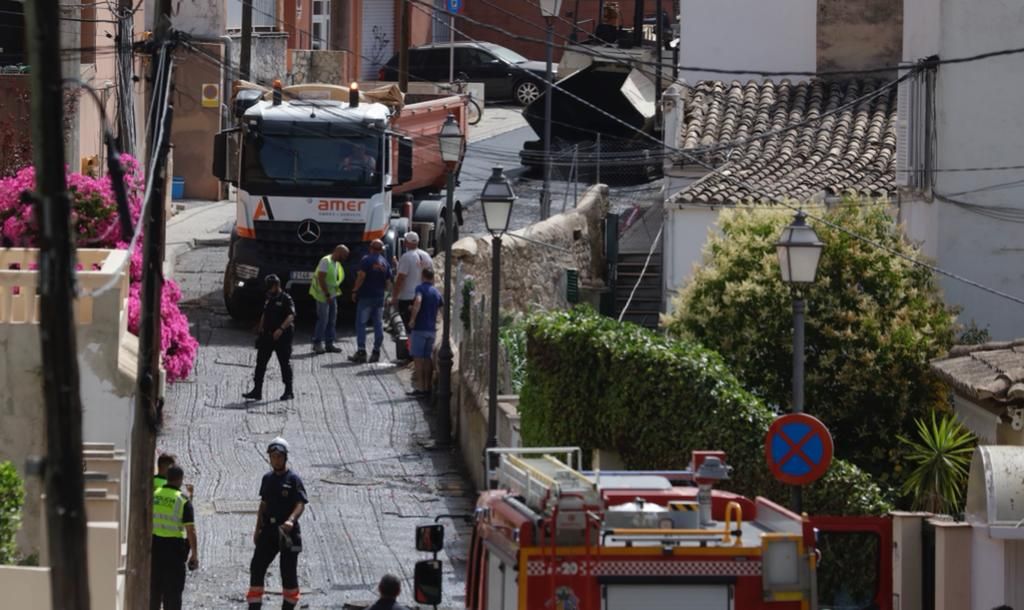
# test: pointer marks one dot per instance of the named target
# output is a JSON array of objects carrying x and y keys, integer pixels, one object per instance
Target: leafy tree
[
  {"x": 941, "y": 457},
  {"x": 873, "y": 322},
  {"x": 12, "y": 494}
]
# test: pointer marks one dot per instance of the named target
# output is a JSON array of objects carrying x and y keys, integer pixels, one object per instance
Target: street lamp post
[
  {"x": 496, "y": 201},
  {"x": 799, "y": 250},
  {"x": 549, "y": 9},
  {"x": 451, "y": 142}
]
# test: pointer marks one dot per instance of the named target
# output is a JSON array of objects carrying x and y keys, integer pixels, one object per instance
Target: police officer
[
  {"x": 174, "y": 534},
  {"x": 282, "y": 500},
  {"x": 276, "y": 331}
]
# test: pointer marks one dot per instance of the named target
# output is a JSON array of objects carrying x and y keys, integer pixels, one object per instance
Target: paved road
[{"x": 362, "y": 447}]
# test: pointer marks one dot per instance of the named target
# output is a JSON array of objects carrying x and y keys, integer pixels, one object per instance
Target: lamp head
[{"x": 799, "y": 251}]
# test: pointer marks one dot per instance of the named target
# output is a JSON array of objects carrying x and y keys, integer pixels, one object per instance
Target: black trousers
[
  {"x": 267, "y": 548},
  {"x": 167, "y": 574},
  {"x": 265, "y": 346}
]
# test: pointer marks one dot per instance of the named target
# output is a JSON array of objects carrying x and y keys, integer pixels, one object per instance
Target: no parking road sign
[
  {"x": 453, "y": 6},
  {"x": 798, "y": 448}
]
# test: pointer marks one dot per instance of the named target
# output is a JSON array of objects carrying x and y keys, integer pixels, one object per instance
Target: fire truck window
[{"x": 848, "y": 572}]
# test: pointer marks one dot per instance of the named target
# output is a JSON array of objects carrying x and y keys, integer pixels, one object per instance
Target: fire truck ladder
[{"x": 554, "y": 489}]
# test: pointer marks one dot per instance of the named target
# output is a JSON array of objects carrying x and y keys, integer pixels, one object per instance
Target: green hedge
[
  {"x": 593, "y": 382},
  {"x": 12, "y": 495}
]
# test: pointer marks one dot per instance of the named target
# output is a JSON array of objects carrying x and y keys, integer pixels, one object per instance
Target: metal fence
[{"x": 471, "y": 332}]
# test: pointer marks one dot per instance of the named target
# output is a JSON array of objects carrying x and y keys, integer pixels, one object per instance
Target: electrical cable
[
  {"x": 738, "y": 181},
  {"x": 164, "y": 81}
]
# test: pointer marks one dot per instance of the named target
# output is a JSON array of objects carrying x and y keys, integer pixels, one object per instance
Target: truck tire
[
  {"x": 229, "y": 299},
  {"x": 440, "y": 235}
]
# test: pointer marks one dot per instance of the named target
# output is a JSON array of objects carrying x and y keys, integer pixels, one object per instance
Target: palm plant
[{"x": 941, "y": 458}]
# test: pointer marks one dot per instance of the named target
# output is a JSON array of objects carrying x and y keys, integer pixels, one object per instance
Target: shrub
[
  {"x": 512, "y": 336},
  {"x": 12, "y": 494},
  {"x": 873, "y": 322},
  {"x": 593, "y": 382},
  {"x": 96, "y": 225},
  {"x": 941, "y": 454}
]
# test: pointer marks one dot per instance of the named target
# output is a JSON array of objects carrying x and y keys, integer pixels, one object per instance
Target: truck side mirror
[
  {"x": 430, "y": 538},
  {"x": 220, "y": 156},
  {"x": 225, "y": 155},
  {"x": 404, "y": 160},
  {"x": 427, "y": 582}
]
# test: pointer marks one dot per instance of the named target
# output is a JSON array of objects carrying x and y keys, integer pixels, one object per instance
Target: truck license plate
[{"x": 302, "y": 276}]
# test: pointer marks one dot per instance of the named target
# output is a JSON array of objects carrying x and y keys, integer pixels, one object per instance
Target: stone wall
[
  {"x": 268, "y": 58},
  {"x": 532, "y": 278},
  {"x": 319, "y": 67},
  {"x": 532, "y": 275}
]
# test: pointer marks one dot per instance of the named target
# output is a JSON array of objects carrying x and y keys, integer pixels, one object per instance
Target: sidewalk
[
  {"x": 200, "y": 223},
  {"x": 497, "y": 120}
]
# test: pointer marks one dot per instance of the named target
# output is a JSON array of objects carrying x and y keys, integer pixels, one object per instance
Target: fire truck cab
[{"x": 550, "y": 536}]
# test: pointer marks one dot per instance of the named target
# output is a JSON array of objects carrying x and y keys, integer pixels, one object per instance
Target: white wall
[
  {"x": 743, "y": 34},
  {"x": 977, "y": 125},
  {"x": 686, "y": 231}
]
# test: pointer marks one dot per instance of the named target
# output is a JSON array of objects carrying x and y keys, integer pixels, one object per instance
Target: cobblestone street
[{"x": 363, "y": 448}]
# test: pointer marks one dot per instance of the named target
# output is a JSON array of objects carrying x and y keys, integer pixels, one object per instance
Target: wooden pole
[
  {"x": 245, "y": 51},
  {"x": 65, "y": 502},
  {"x": 146, "y": 416},
  {"x": 403, "y": 47}
]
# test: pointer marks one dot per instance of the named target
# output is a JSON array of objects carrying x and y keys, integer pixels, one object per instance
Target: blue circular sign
[
  {"x": 453, "y": 6},
  {"x": 798, "y": 448}
]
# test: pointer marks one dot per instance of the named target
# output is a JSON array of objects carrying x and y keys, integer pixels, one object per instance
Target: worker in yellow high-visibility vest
[
  {"x": 174, "y": 536},
  {"x": 325, "y": 290}
]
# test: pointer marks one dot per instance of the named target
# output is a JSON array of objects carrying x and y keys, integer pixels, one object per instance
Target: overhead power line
[{"x": 741, "y": 182}]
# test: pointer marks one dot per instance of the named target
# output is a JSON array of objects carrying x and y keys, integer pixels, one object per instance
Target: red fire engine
[{"x": 552, "y": 537}]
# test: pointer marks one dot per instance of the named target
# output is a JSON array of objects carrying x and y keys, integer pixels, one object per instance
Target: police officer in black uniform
[
  {"x": 282, "y": 501},
  {"x": 276, "y": 331}
]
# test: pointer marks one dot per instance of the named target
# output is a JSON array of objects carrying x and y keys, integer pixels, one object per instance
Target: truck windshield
[{"x": 294, "y": 160}]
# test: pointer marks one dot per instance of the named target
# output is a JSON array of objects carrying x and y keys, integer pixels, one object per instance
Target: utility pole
[
  {"x": 403, "y": 47},
  {"x": 65, "y": 495},
  {"x": 146, "y": 420},
  {"x": 245, "y": 51}
]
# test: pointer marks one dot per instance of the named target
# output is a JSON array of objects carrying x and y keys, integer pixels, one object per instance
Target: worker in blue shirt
[{"x": 368, "y": 293}]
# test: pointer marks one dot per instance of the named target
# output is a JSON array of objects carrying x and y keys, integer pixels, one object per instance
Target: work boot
[
  {"x": 374, "y": 356},
  {"x": 318, "y": 348},
  {"x": 288, "y": 395},
  {"x": 332, "y": 349},
  {"x": 358, "y": 357},
  {"x": 254, "y": 394}
]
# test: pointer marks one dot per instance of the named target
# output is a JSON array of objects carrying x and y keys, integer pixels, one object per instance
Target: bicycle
[{"x": 474, "y": 111}]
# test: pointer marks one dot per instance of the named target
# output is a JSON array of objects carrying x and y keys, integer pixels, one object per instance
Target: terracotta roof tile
[
  {"x": 850, "y": 152},
  {"x": 993, "y": 371}
]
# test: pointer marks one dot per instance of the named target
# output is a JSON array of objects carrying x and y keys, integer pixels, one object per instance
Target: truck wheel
[
  {"x": 230, "y": 302},
  {"x": 526, "y": 92},
  {"x": 440, "y": 235}
]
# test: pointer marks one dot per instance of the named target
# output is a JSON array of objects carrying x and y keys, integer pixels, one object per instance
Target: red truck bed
[{"x": 421, "y": 120}]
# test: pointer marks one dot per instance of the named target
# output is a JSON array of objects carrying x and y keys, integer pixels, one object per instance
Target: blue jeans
[
  {"x": 366, "y": 307},
  {"x": 326, "y": 328}
]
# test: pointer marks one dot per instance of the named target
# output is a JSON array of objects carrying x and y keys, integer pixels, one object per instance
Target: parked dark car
[{"x": 504, "y": 73}]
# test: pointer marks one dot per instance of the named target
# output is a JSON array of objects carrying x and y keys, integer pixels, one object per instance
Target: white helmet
[{"x": 278, "y": 444}]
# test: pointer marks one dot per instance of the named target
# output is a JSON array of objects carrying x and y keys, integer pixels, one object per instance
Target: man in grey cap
[{"x": 410, "y": 275}]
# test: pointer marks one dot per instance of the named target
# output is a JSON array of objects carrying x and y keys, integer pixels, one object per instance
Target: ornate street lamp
[
  {"x": 550, "y": 9},
  {"x": 496, "y": 201},
  {"x": 799, "y": 251},
  {"x": 451, "y": 142}
]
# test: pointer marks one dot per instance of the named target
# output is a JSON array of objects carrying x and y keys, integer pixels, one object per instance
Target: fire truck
[
  {"x": 550, "y": 536},
  {"x": 317, "y": 165}
]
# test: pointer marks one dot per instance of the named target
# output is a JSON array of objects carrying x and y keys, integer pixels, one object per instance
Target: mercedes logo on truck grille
[{"x": 309, "y": 231}]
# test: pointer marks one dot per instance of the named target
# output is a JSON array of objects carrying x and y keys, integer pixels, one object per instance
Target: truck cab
[{"x": 312, "y": 171}]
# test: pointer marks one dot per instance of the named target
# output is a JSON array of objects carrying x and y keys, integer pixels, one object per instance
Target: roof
[
  {"x": 987, "y": 372},
  {"x": 311, "y": 112},
  {"x": 788, "y": 140}
]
